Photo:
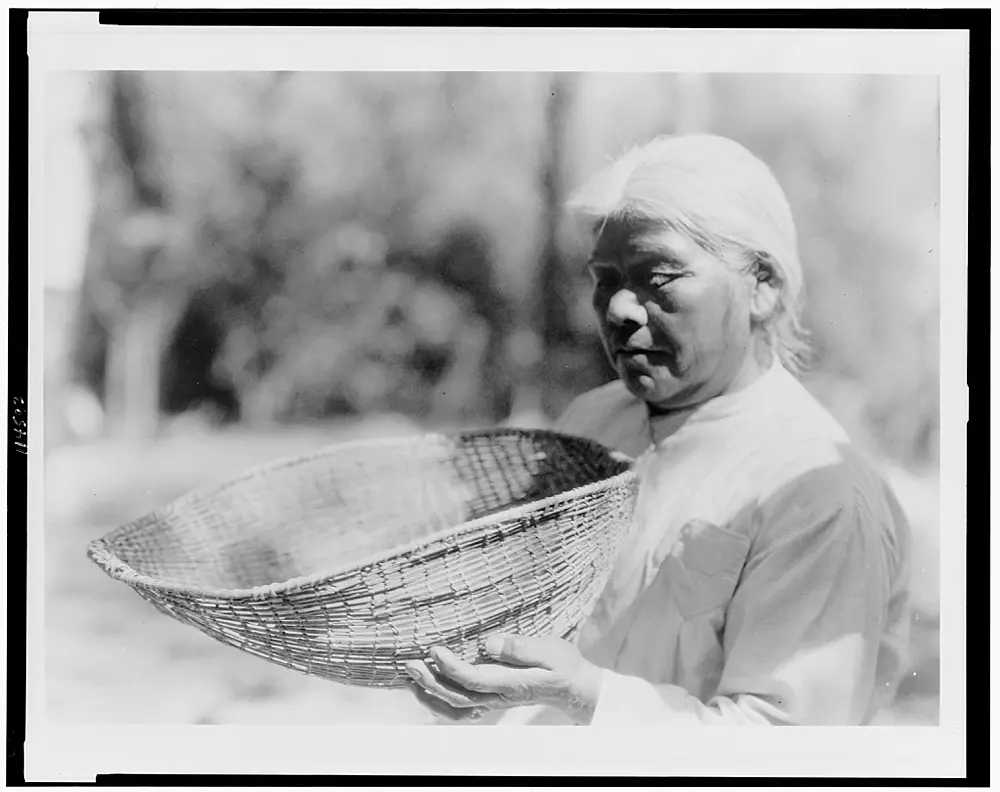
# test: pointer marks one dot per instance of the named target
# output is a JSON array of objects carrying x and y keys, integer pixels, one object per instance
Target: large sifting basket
[{"x": 348, "y": 563}]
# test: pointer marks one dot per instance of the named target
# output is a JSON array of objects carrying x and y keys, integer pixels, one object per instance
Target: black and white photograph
[{"x": 477, "y": 395}]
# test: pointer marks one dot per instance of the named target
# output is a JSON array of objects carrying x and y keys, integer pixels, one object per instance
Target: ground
[{"x": 112, "y": 659}]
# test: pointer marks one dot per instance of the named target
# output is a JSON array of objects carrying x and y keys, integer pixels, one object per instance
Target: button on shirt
[{"x": 764, "y": 579}]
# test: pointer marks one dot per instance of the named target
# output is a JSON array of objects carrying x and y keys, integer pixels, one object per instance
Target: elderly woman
[{"x": 764, "y": 581}]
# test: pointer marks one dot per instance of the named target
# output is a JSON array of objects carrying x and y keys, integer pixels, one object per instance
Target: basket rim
[{"x": 99, "y": 550}]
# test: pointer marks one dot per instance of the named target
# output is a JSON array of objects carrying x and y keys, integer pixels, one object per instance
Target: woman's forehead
[{"x": 614, "y": 239}]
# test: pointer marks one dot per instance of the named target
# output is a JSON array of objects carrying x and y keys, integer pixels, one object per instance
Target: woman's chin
[{"x": 647, "y": 386}]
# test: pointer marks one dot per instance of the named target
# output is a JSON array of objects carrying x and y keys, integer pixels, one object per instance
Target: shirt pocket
[{"x": 704, "y": 567}]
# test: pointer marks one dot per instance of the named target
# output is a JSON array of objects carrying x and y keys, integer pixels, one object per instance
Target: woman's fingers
[
  {"x": 455, "y": 668},
  {"x": 447, "y": 691},
  {"x": 505, "y": 684},
  {"x": 519, "y": 650},
  {"x": 440, "y": 708}
]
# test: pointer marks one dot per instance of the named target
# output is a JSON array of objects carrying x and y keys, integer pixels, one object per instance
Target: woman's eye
[{"x": 660, "y": 279}]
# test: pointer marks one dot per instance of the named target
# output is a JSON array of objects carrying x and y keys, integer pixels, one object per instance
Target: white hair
[{"x": 724, "y": 198}]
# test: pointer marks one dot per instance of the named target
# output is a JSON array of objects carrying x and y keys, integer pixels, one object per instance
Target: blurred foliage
[{"x": 316, "y": 244}]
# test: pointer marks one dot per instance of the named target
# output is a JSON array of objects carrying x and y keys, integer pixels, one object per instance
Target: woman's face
[{"x": 674, "y": 318}]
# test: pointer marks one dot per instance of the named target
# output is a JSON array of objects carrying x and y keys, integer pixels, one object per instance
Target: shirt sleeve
[
  {"x": 801, "y": 636},
  {"x": 577, "y": 418}
]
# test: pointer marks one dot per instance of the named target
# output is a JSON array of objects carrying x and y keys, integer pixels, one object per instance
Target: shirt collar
[{"x": 663, "y": 426}]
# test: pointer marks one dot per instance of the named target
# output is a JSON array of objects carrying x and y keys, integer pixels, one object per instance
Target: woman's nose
[{"x": 624, "y": 307}]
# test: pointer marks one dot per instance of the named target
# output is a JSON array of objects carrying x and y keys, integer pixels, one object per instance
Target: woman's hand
[{"x": 527, "y": 671}]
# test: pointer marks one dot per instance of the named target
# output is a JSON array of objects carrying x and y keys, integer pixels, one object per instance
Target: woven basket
[{"x": 347, "y": 563}]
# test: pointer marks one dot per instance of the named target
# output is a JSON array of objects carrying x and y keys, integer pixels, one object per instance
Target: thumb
[{"x": 524, "y": 651}]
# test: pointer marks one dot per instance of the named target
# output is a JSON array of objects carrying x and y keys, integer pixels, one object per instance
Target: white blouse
[{"x": 765, "y": 577}]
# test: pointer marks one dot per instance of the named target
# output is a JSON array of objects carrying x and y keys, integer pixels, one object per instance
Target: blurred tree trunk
[
  {"x": 136, "y": 340},
  {"x": 553, "y": 311},
  {"x": 546, "y": 314},
  {"x": 140, "y": 314}
]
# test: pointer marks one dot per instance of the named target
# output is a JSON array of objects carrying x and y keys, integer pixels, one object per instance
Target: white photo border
[{"x": 56, "y": 752}]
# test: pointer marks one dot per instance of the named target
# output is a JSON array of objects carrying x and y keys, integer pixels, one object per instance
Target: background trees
[{"x": 286, "y": 247}]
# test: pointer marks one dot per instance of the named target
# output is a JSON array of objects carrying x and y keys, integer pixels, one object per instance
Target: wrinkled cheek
[
  {"x": 733, "y": 333},
  {"x": 669, "y": 330},
  {"x": 667, "y": 304}
]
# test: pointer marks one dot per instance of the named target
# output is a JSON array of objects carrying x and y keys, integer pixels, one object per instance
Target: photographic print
[{"x": 483, "y": 397}]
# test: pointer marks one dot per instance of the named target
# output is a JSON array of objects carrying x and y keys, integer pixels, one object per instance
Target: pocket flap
[{"x": 707, "y": 548}]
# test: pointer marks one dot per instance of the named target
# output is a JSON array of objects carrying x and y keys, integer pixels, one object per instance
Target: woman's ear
[{"x": 766, "y": 289}]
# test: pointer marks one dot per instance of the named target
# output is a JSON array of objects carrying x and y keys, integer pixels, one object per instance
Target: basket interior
[{"x": 326, "y": 512}]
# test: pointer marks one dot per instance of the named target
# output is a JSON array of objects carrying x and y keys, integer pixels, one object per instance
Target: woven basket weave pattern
[{"x": 348, "y": 563}]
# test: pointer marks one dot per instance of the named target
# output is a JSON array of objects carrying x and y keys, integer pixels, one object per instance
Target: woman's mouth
[
  {"x": 652, "y": 356},
  {"x": 648, "y": 362}
]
